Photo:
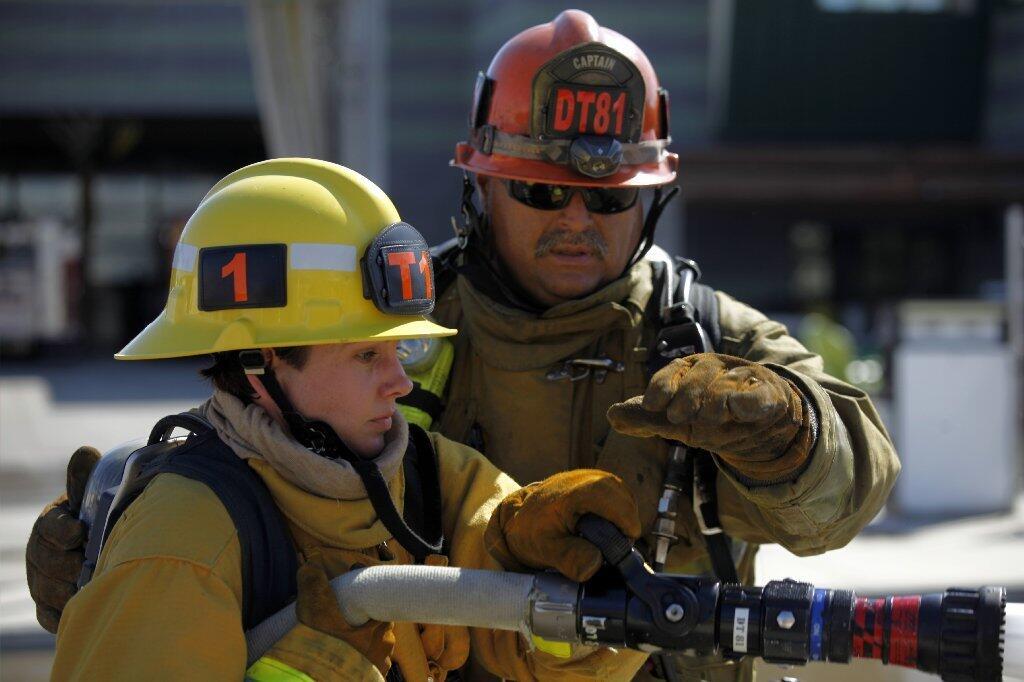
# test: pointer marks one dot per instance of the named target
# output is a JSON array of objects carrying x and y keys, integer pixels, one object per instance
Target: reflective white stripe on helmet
[
  {"x": 336, "y": 257},
  {"x": 184, "y": 257}
]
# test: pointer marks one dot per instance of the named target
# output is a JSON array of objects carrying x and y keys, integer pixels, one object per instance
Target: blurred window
[{"x": 919, "y": 6}]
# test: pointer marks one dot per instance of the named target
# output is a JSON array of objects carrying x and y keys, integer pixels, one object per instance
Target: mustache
[{"x": 592, "y": 239}]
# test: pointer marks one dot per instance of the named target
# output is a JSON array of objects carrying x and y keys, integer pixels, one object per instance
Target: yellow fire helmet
[{"x": 292, "y": 252}]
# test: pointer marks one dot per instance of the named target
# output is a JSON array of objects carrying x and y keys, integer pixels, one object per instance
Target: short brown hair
[{"x": 227, "y": 374}]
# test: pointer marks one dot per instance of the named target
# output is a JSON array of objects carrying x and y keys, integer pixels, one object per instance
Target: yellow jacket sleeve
[
  {"x": 471, "y": 488},
  {"x": 852, "y": 467},
  {"x": 165, "y": 601}
]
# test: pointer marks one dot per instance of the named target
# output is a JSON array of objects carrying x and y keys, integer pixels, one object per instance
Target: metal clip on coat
[{"x": 580, "y": 368}]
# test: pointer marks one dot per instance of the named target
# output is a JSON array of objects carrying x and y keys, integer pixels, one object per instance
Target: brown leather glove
[
  {"x": 745, "y": 413},
  {"x": 535, "y": 527},
  {"x": 317, "y": 607},
  {"x": 56, "y": 546}
]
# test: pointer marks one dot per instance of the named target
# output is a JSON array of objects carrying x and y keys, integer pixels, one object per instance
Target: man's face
[
  {"x": 562, "y": 254},
  {"x": 350, "y": 386}
]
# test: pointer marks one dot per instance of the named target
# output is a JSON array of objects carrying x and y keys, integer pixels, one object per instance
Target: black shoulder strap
[
  {"x": 686, "y": 316},
  {"x": 422, "y": 399},
  {"x": 191, "y": 422},
  {"x": 705, "y": 306},
  {"x": 269, "y": 560},
  {"x": 423, "y": 488},
  {"x": 704, "y": 476},
  {"x": 684, "y": 311},
  {"x": 443, "y": 257}
]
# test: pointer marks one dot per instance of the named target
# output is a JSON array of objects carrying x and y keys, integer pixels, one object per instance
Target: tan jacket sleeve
[
  {"x": 853, "y": 465},
  {"x": 472, "y": 487}
]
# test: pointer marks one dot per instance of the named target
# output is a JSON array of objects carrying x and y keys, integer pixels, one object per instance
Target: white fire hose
[
  {"x": 545, "y": 605},
  {"x": 542, "y": 604}
]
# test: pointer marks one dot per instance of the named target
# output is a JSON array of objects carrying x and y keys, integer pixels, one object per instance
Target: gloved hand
[
  {"x": 56, "y": 546},
  {"x": 317, "y": 608},
  {"x": 741, "y": 411},
  {"x": 535, "y": 527}
]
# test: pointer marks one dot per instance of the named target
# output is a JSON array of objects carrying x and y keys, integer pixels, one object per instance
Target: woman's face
[{"x": 350, "y": 386}]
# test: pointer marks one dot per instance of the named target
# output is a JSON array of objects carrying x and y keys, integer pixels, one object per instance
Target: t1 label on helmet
[
  {"x": 587, "y": 110},
  {"x": 398, "y": 275},
  {"x": 244, "y": 276},
  {"x": 408, "y": 276}
]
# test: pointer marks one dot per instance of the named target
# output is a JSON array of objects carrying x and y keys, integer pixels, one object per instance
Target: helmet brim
[
  {"x": 161, "y": 339},
  {"x": 529, "y": 170}
]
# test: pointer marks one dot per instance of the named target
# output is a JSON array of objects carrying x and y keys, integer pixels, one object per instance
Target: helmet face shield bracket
[
  {"x": 482, "y": 92},
  {"x": 665, "y": 132},
  {"x": 398, "y": 274}
]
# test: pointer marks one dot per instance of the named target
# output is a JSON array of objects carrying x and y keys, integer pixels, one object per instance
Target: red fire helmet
[{"x": 570, "y": 103}]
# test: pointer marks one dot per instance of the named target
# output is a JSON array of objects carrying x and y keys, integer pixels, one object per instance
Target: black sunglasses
[{"x": 552, "y": 197}]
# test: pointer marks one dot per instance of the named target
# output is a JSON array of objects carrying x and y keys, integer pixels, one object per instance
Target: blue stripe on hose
[{"x": 817, "y": 623}]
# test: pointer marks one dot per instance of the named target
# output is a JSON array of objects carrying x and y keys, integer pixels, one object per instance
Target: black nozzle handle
[
  {"x": 606, "y": 536},
  {"x": 653, "y": 590}
]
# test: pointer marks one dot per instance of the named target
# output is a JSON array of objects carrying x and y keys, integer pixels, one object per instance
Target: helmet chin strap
[
  {"x": 478, "y": 258},
  {"x": 321, "y": 438},
  {"x": 315, "y": 435},
  {"x": 661, "y": 199}
]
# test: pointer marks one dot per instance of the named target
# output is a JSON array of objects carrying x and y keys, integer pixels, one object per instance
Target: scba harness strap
[
  {"x": 688, "y": 317},
  {"x": 268, "y": 573},
  {"x": 269, "y": 557}
]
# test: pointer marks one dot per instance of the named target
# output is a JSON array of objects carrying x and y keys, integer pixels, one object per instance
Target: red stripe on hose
[
  {"x": 868, "y": 635},
  {"x": 903, "y": 633},
  {"x": 857, "y": 628}
]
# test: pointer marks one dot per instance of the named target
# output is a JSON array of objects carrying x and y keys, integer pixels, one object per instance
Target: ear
[{"x": 263, "y": 398}]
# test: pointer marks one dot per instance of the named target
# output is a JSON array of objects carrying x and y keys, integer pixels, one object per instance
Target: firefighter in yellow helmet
[{"x": 300, "y": 278}]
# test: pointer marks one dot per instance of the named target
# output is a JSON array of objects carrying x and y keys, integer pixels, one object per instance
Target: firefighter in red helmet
[{"x": 568, "y": 108}]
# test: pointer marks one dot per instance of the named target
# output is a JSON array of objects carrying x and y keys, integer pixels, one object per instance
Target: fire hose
[{"x": 959, "y": 634}]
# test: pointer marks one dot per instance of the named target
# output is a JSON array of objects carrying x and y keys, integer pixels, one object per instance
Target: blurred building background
[
  {"x": 865, "y": 150},
  {"x": 854, "y": 168}
]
